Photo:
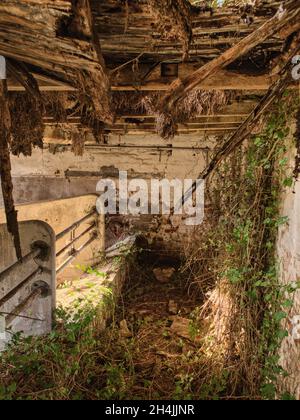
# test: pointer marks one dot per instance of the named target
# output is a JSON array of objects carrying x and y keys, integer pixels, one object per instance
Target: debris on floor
[
  {"x": 173, "y": 307},
  {"x": 164, "y": 275},
  {"x": 181, "y": 327},
  {"x": 124, "y": 330}
]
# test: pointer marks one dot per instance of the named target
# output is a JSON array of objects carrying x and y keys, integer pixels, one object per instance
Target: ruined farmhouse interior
[{"x": 102, "y": 304}]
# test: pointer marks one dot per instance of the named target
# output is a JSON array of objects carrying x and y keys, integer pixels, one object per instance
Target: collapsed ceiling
[
  {"x": 146, "y": 56},
  {"x": 139, "y": 66}
]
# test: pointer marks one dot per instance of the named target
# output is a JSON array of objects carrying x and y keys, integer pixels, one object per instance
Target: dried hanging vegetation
[
  {"x": 28, "y": 112},
  {"x": 174, "y": 20},
  {"x": 226, "y": 348},
  {"x": 94, "y": 83},
  {"x": 198, "y": 102},
  {"x": 78, "y": 139},
  {"x": 60, "y": 37},
  {"x": 57, "y": 105},
  {"x": 62, "y": 105},
  {"x": 27, "y": 123},
  {"x": 131, "y": 102},
  {"x": 89, "y": 118}
]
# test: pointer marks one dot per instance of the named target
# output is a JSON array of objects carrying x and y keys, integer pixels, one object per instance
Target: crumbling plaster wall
[
  {"x": 48, "y": 176},
  {"x": 45, "y": 176}
]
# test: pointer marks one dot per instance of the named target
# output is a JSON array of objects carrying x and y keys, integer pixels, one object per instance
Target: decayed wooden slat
[
  {"x": 36, "y": 32},
  {"x": 141, "y": 35},
  {"x": 282, "y": 20},
  {"x": 237, "y": 110},
  {"x": 97, "y": 83},
  {"x": 248, "y": 125},
  {"x": 224, "y": 80},
  {"x": 71, "y": 56}
]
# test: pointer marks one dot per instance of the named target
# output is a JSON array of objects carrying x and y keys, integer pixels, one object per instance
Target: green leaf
[
  {"x": 288, "y": 303},
  {"x": 288, "y": 182},
  {"x": 287, "y": 397},
  {"x": 279, "y": 316},
  {"x": 282, "y": 334},
  {"x": 268, "y": 391}
]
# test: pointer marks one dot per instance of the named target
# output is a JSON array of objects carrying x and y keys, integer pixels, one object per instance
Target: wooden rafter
[
  {"x": 211, "y": 34},
  {"x": 284, "y": 19},
  {"x": 245, "y": 130},
  {"x": 42, "y": 39},
  {"x": 224, "y": 80}
]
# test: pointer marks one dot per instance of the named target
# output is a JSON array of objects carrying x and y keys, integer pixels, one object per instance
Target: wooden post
[{"x": 5, "y": 170}]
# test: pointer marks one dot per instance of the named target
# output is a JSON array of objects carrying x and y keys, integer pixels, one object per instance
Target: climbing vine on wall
[{"x": 235, "y": 266}]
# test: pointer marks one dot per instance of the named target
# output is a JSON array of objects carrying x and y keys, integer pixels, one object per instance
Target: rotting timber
[
  {"x": 121, "y": 66},
  {"x": 113, "y": 67}
]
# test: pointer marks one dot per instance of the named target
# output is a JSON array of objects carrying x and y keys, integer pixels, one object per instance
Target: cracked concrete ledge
[{"x": 98, "y": 288}]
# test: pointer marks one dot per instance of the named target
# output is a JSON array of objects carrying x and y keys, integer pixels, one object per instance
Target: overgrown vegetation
[
  {"x": 228, "y": 289},
  {"x": 235, "y": 264},
  {"x": 78, "y": 360}
]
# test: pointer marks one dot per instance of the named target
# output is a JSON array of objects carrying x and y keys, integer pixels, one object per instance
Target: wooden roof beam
[
  {"x": 223, "y": 80},
  {"x": 283, "y": 20},
  {"x": 59, "y": 36}
]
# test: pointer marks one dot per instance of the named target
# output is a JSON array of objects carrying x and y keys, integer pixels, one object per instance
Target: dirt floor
[
  {"x": 152, "y": 349},
  {"x": 156, "y": 324}
]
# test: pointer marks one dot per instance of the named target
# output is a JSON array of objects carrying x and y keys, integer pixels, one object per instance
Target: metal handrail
[
  {"x": 75, "y": 225},
  {"x": 30, "y": 256},
  {"x": 76, "y": 253},
  {"x": 75, "y": 240},
  {"x": 26, "y": 302},
  {"x": 10, "y": 294}
]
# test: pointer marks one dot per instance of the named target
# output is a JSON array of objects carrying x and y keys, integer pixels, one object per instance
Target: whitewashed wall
[{"x": 288, "y": 249}]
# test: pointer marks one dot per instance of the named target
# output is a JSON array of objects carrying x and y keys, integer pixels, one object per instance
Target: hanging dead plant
[
  {"x": 27, "y": 127},
  {"x": 173, "y": 20},
  {"x": 77, "y": 137},
  {"x": 56, "y": 105},
  {"x": 196, "y": 103}
]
